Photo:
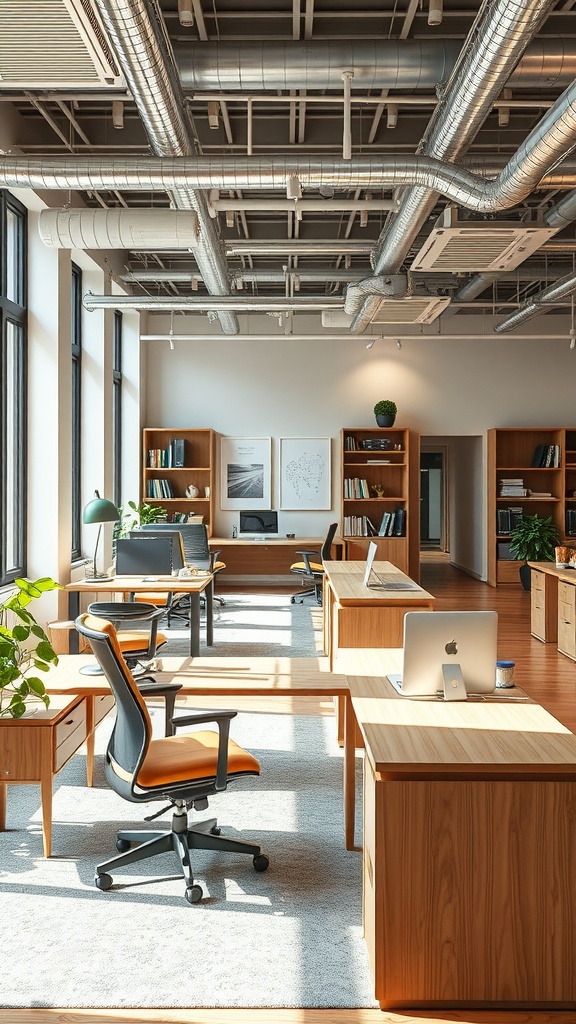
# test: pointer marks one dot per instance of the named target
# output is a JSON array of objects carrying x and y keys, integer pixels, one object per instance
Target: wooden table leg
[
  {"x": 349, "y": 771},
  {"x": 90, "y": 737},
  {"x": 3, "y": 802},
  {"x": 46, "y": 796}
]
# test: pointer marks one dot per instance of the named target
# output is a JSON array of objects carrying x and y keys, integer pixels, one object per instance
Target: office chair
[
  {"x": 197, "y": 553},
  {"x": 313, "y": 571},
  {"x": 138, "y": 647},
  {"x": 182, "y": 769}
]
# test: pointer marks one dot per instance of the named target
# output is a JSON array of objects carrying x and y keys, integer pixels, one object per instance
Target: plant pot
[
  {"x": 385, "y": 421},
  {"x": 525, "y": 575}
]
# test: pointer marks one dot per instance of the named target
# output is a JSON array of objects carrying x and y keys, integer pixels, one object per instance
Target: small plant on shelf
[
  {"x": 385, "y": 413},
  {"x": 533, "y": 539},
  {"x": 25, "y": 649}
]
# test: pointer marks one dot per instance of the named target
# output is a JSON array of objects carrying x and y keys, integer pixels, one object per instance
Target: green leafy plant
[
  {"x": 132, "y": 516},
  {"x": 385, "y": 408},
  {"x": 534, "y": 539},
  {"x": 24, "y": 649}
]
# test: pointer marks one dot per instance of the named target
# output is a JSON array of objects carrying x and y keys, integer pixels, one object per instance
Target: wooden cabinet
[
  {"x": 164, "y": 480},
  {"x": 545, "y": 490},
  {"x": 567, "y": 619},
  {"x": 544, "y": 607},
  {"x": 380, "y": 477}
]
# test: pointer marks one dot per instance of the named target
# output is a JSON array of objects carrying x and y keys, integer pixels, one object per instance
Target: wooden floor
[{"x": 547, "y": 676}]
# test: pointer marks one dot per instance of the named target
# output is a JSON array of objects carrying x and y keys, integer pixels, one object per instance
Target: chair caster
[
  {"x": 103, "y": 882},
  {"x": 293, "y": 600},
  {"x": 215, "y": 830},
  {"x": 194, "y": 893},
  {"x": 122, "y": 845},
  {"x": 260, "y": 862}
]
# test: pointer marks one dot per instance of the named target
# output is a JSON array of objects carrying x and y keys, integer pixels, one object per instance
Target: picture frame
[
  {"x": 245, "y": 472},
  {"x": 305, "y": 473}
]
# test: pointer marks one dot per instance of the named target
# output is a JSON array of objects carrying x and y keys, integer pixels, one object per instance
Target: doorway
[{"x": 433, "y": 505}]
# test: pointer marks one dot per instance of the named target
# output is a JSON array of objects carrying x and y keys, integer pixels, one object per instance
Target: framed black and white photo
[
  {"x": 245, "y": 472},
  {"x": 305, "y": 479}
]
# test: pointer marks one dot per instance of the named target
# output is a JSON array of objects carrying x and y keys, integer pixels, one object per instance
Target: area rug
[
  {"x": 289, "y": 937},
  {"x": 256, "y": 624}
]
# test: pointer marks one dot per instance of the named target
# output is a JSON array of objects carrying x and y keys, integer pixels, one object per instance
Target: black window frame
[
  {"x": 76, "y": 401},
  {"x": 117, "y": 382},
  {"x": 13, "y": 314}
]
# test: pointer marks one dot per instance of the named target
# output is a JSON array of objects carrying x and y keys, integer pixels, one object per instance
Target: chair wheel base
[
  {"x": 103, "y": 882},
  {"x": 260, "y": 862},
  {"x": 194, "y": 893}
]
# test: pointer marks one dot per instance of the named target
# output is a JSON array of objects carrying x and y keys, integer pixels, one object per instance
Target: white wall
[{"x": 452, "y": 387}]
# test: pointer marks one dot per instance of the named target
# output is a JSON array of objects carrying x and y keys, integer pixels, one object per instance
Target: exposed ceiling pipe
[
  {"x": 548, "y": 296},
  {"x": 494, "y": 47},
  {"x": 119, "y": 228},
  {"x": 304, "y": 205},
  {"x": 245, "y": 276},
  {"x": 143, "y": 52},
  {"x": 249, "y": 66},
  {"x": 553, "y": 139},
  {"x": 213, "y": 303}
]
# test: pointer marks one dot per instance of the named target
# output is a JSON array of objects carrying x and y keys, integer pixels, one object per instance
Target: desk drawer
[
  {"x": 567, "y": 619},
  {"x": 537, "y": 581},
  {"x": 544, "y": 607},
  {"x": 102, "y": 705},
  {"x": 70, "y": 734}
]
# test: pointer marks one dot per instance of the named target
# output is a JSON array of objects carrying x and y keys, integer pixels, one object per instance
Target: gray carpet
[{"x": 291, "y": 936}]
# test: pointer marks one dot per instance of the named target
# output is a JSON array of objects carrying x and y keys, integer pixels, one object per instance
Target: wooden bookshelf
[
  {"x": 395, "y": 470},
  {"x": 511, "y": 453},
  {"x": 198, "y": 469}
]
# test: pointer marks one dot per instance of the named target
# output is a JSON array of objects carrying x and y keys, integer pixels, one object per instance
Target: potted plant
[
  {"x": 132, "y": 516},
  {"x": 385, "y": 413},
  {"x": 533, "y": 540},
  {"x": 24, "y": 649}
]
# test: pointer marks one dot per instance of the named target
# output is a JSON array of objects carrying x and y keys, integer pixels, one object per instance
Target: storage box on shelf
[
  {"x": 531, "y": 471},
  {"x": 174, "y": 460},
  {"x": 380, "y": 490}
]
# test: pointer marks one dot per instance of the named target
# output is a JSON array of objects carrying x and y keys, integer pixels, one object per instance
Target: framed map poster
[
  {"x": 305, "y": 480},
  {"x": 245, "y": 472}
]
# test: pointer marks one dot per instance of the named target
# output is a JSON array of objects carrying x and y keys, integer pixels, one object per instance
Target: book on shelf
[
  {"x": 177, "y": 448},
  {"x": 546, "y": 456},
  {"x": 571, "y": 522},
  {"x": 159, "y": 489},
  {"x": 539, "y": 494}
]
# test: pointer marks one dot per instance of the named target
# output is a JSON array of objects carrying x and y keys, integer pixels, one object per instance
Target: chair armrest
[
  {"x": 147, "y": 684},
  {"x": 306, "y": 555},
  {"x": 222, "y": 720}
]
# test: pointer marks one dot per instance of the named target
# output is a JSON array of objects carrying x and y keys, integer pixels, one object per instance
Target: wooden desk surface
[
  {"x": 569, "y": 575},
  {"x": 138, "y": 584},
  {"x": 347, "y": 582},
  {"x": 293, "y": 542},
  {"x": 213, "y": 676},
  {"x": 475, "y": 737}
]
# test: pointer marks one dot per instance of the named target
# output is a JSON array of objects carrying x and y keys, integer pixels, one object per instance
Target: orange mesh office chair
[
  {"x": 182, "y": 769},
  {"x": 311, "y": 570}
]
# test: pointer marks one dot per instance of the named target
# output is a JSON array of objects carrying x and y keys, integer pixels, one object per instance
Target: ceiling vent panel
[
  {"x": 414, "y": 309},
  {"x": 464, "y": 246},
  {"x": 54, "y": 44}
]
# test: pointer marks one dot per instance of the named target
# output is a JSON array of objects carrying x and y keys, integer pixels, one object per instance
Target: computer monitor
[
  {"x": 194, "y": 540},
  {"x": 143, "y": 556},
  {"x": 448, "y": 653},
  {"x": 258, "y": 524},
  {"x": 178, "y": 556}
]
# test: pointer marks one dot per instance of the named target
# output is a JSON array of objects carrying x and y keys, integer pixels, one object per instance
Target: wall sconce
[
  {"x": 117, "y": 114},
  {"x": 185, "y": 15},
  {"x": 100, "y": 511},
  {"x": 213, "y": 114}
]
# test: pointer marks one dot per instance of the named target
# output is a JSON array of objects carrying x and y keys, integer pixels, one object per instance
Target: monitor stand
[{"x": 454, "y": 686}]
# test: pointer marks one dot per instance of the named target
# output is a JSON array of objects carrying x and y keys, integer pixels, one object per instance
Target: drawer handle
[{"x": 69, "y": 722}]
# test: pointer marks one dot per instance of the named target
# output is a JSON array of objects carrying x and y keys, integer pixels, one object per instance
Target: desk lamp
[{"x": 99, "y": 510}]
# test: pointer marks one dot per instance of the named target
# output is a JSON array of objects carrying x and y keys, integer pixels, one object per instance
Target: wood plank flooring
[{"x": 548, "y": 677}]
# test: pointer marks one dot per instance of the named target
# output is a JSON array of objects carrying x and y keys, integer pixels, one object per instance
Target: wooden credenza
[
  {"x": 469, "y": 893},
  {"x": 265, "y": 559},
  {"x": 553, "y": 606}
]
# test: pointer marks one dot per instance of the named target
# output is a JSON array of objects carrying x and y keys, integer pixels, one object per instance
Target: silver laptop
[
  {"x": 383, "y": 580},
  {"x": 443, "y": 649}
]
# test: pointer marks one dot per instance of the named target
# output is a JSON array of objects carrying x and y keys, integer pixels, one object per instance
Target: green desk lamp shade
[{"x": 99, "y": 510}]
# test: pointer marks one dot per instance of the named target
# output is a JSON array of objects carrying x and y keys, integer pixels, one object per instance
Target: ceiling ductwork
[
  {"x": 213, "y": 304},
  {"x": 144, "y": 56},
  {"x": 119, "y": 229},
  {"x": 495, "y": 45},
  {"x": 537, "y": 303}
]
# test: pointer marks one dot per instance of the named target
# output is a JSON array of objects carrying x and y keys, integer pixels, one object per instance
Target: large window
[
  {"x": 76, "y": 332},
  {"x": 117, "y": 409},
  {"x": 13, "y": 452}
]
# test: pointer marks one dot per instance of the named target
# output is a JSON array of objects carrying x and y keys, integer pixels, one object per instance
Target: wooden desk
[
  {"x": 469, "y": 894},
  {"x": 193, "y": 585},
  {"x": 232, "y": 677},
  {"x": 553, "y": 606},
  {"x": 265, "y": 558},
  {"x": 35, "y": 747}
]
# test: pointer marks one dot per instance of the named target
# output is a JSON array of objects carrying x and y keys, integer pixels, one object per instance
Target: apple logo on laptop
[{"x": 451, "y": 647}]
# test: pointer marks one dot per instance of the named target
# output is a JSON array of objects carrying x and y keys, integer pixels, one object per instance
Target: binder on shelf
[
  {"x": 539, "y": 457},
  {"x": 503, "y": 524},
  {"x": 178, "y": 450},
  {"x": 571, "y": 522}
]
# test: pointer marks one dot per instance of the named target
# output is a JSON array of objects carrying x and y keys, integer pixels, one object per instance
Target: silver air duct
[
  {"x": 213, "y": 303},
  {"x": 148, "y": 67},
  {"x": 249, "y": 66},
  {"x": 119, "y": 229},
  {"x": 495, "y": 44},
  {"x": 559, "y": 290}
]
